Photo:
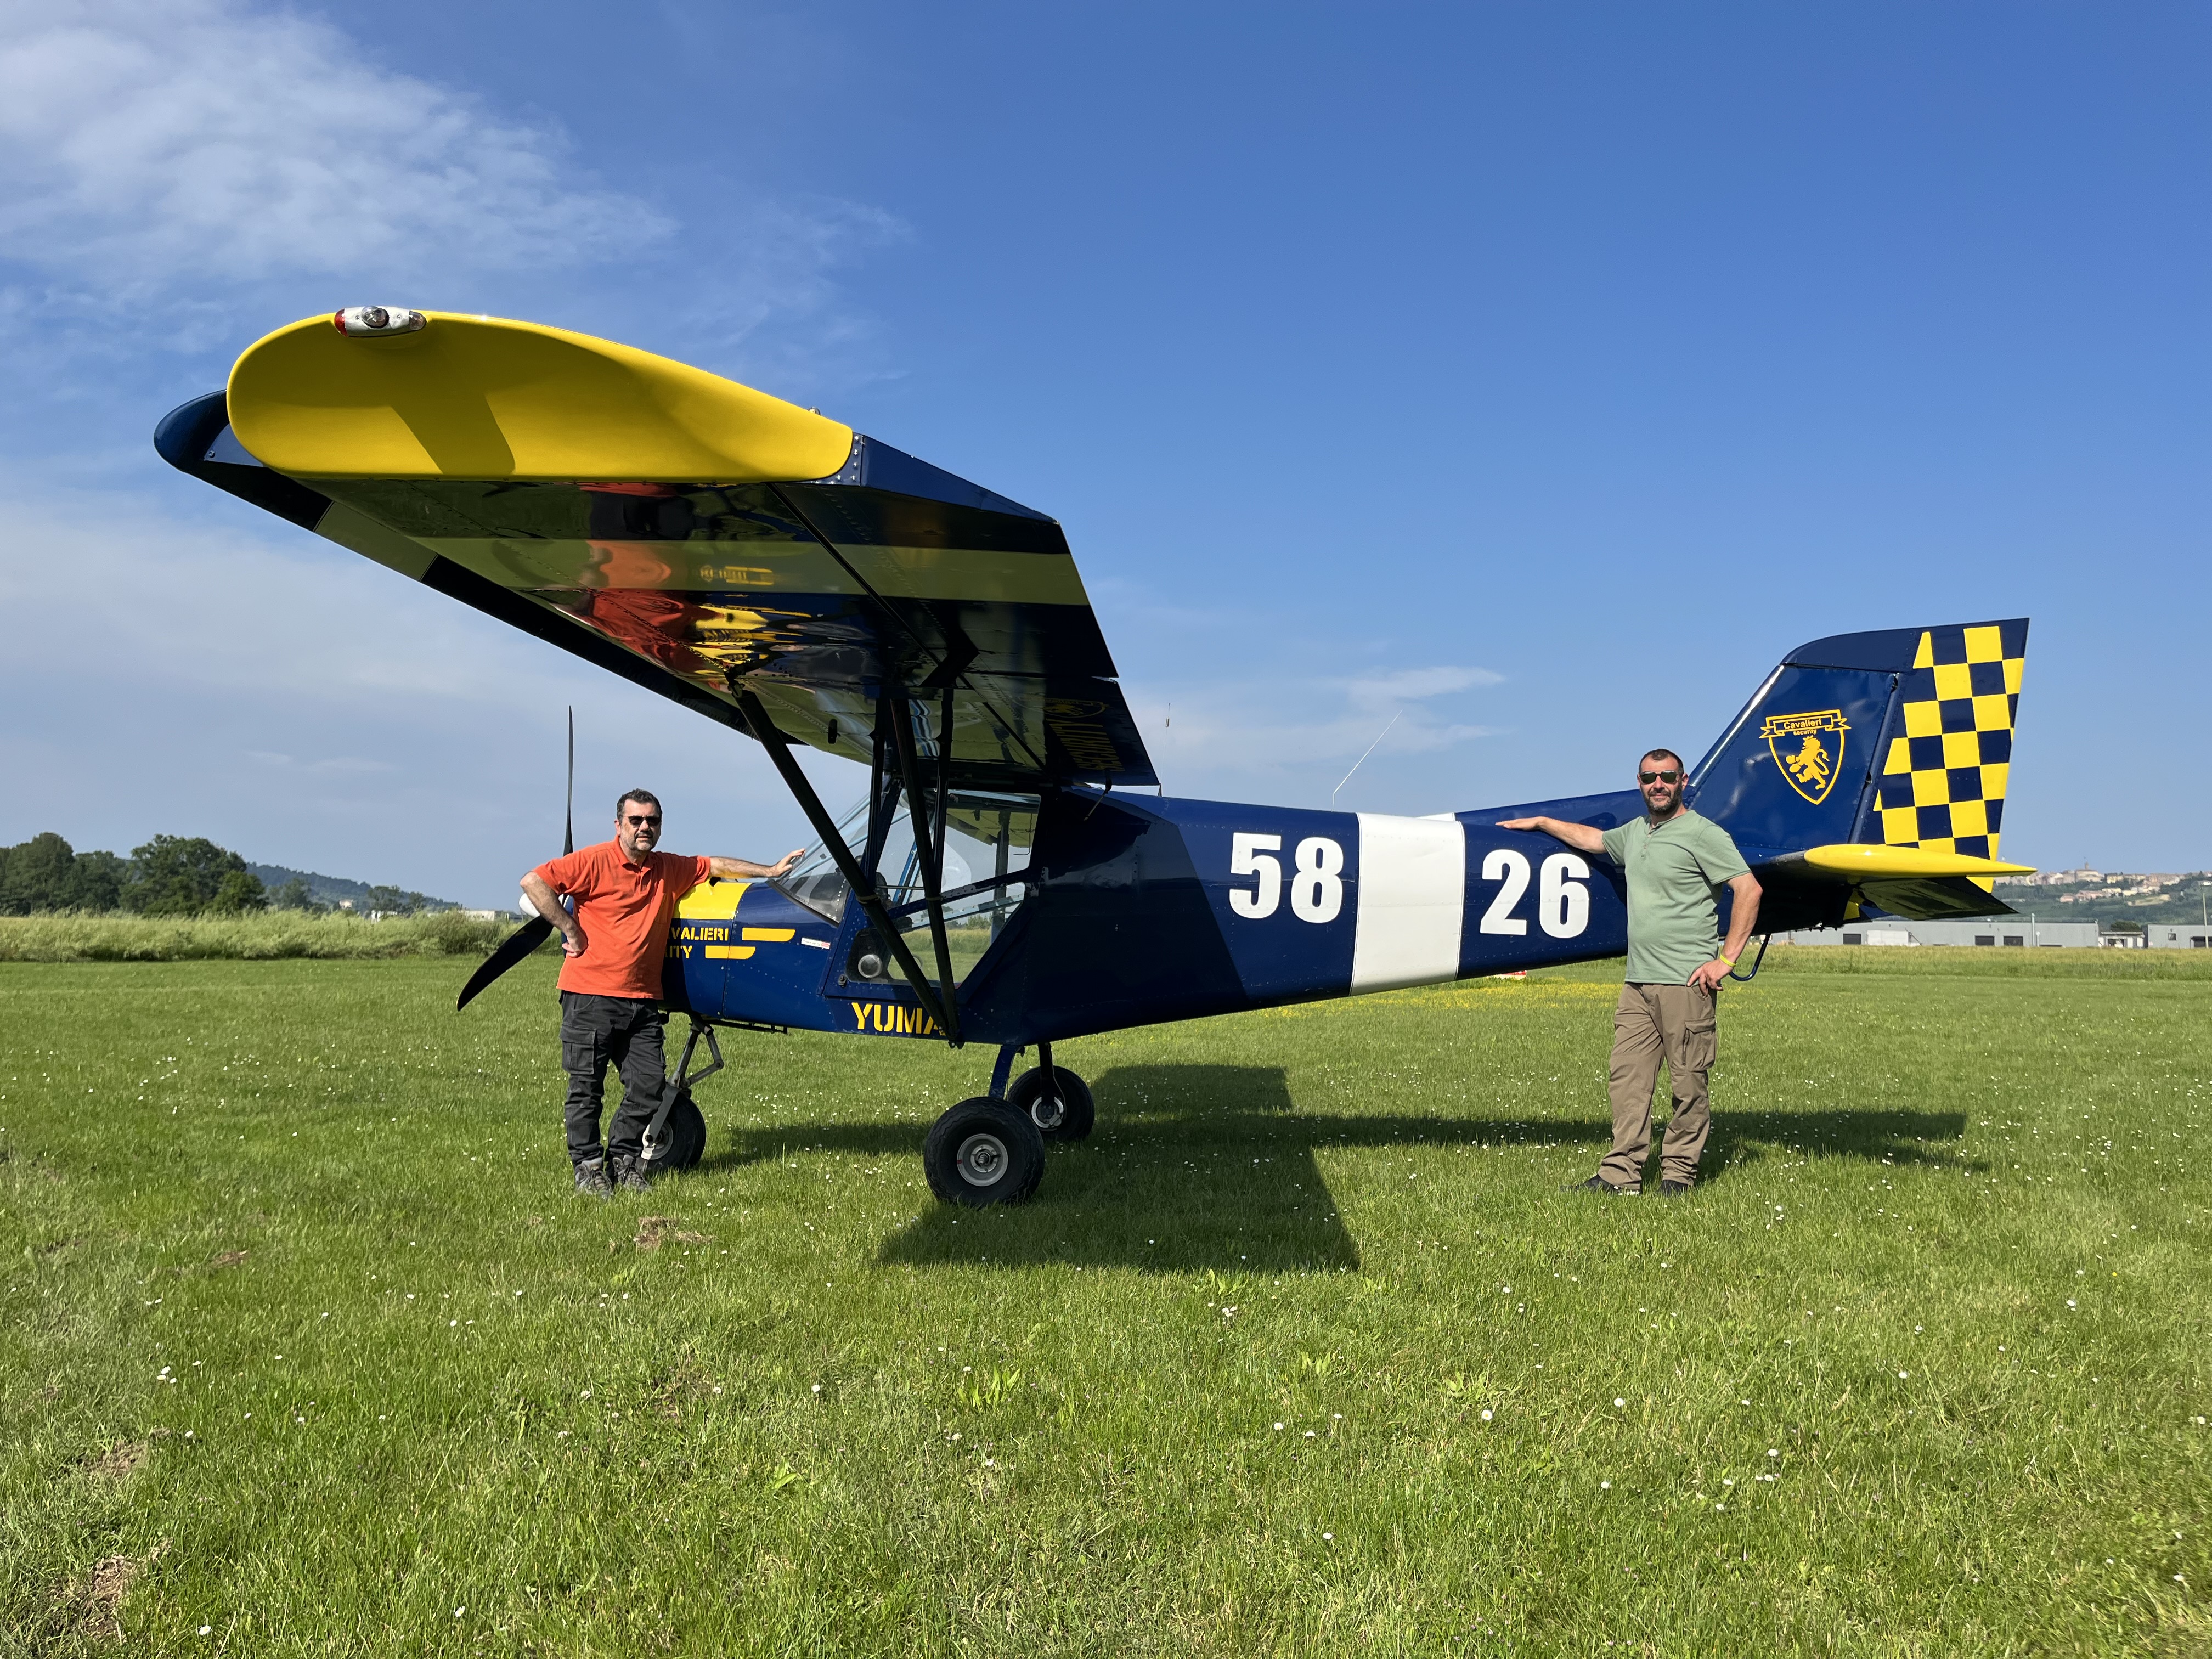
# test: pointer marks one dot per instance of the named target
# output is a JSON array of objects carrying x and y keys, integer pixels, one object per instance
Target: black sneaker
[
  {"x": 1600, "y": 1184},
  {"x": 631, "y": 1175},
  {"x": 591, "y": 1179},
  {"x": 1673, "y": 1188}
]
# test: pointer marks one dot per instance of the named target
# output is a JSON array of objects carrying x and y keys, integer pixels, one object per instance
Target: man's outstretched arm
[
  {"x": 725, "y": 869},
  {"x": 1580, "y": 836}
]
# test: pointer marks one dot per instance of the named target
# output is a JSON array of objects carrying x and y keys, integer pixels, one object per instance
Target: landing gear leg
[{"x": 676, "y": 1137}]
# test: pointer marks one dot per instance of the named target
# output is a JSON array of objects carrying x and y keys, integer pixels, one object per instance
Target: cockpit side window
[{"x": 987, "y": 838}]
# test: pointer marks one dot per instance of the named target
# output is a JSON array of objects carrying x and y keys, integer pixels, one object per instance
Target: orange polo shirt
[{"x": 624, "y": 910}]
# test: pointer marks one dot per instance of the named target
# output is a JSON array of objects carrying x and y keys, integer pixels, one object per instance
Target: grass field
[{"x": 307, "y": 1349}]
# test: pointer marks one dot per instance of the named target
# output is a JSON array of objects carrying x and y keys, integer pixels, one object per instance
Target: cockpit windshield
[{"x": 987, "y": 837}]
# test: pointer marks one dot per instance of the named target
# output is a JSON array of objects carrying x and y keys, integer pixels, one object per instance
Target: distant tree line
[{"x": 169, "y": 876}]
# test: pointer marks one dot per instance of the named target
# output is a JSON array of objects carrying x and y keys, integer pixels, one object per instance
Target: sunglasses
[
  {"x": 653, "y": 822},
  {"x": 1658, "y": 777}
]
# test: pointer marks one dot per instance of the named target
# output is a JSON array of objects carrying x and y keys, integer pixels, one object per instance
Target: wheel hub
[
  {"x": 982, "y": 1160},
  {"x": 1047, "y": 1111}
]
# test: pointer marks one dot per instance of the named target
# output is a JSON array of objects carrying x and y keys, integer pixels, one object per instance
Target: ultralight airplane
[{"x": 790, "y": 578}]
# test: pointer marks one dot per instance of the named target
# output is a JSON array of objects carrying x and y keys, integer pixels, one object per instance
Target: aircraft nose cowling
[{"x": 744, "y": 949}]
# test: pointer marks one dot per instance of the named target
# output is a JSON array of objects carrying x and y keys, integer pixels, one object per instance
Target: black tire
[
  {"x": 981, "y": 1152},
  {"x": 1065, "y": 1113},
  {"x": 683, "y": 1137}
]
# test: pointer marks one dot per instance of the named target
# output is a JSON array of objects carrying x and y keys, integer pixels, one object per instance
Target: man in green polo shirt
[{"x": 1676, "y": 863}]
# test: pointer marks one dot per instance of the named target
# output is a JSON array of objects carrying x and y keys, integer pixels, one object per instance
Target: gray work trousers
[
  {"x": 1678, "y": 1024},
  {"x": 625, "y": 1030}
]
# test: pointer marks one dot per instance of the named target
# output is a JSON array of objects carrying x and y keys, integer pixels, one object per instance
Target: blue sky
[{"x": 1531, "y": 376}]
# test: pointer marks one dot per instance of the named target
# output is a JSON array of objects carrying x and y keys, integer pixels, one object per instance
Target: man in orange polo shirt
[{"x": 625, "y": 895}]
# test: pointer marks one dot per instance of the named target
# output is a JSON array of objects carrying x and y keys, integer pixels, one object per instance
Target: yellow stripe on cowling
[
  {"x": 485, "y": 398},
  {"x": 711, "y": 901},
  {"x": 769, "y": 935},
  {"x": 1858, "y": 860},
  {"x": 728, "y": 952}
]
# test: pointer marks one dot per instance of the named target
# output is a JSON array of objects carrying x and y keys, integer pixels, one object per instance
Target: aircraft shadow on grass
[{"x": 1211, "y": 1167}]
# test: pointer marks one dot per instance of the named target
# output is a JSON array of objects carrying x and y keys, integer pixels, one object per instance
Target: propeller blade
[
  {"x": 568, "y": 839},
  {"x": 513, "y": 949}
]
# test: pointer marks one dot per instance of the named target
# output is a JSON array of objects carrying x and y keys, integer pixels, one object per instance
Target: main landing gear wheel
[
  {"x": 983, "y": 1152},
  {"x": 1062, "y": 1112},
  {"x": 682, "y": 1139}
]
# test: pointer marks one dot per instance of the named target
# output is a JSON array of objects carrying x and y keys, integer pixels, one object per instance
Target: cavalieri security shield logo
[{"x": 1809, "y": 749}]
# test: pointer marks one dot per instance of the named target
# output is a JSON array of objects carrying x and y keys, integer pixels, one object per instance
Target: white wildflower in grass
[
  {"x": 1618, "y": 1400},
  {"x": 1328, "y": 1537},
  {"x": 1309, "y": 1433},
  {"x": 1901, "y": 1376},
  {"x": 1279, "y": 1425},
  {"x": 2069, "y": 1301},
  {"x": 1774, "y": 1451},
  {"x": 204, "y": 1629},
  {"x": 1486, "y": 1415},
  {"x": 459, "y": 1611},
  {"x": 1605, "y": 1485},
  {"x": 817, "y": 1388}
]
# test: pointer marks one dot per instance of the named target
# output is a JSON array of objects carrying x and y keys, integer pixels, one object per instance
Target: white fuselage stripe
[{"x": 1412, "y": 900}]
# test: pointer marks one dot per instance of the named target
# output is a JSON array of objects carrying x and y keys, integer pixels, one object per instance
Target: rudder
[{"x": 1898, "y": 738}]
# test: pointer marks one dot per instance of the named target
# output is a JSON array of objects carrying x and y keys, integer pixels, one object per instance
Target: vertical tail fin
[{"x": 1901, "y": 737}]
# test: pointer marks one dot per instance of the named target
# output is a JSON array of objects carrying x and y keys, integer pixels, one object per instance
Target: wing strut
[
  {"x": 928, "y": 827},
  {"x": 864, "y": 890}
]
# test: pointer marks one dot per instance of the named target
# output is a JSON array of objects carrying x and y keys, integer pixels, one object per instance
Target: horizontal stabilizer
[
  {"x": 1932, "y": 898},
  {"x": 1859, "y": 862}
]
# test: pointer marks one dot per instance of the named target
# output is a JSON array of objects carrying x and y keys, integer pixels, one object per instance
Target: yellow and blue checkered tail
[
  {"x": 1942, "y": 783},
  {"x": 1900, "y": 738}
]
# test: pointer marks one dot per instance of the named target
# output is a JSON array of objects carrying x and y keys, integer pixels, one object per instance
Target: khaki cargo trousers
[{"x": 1676, "y": 1024}]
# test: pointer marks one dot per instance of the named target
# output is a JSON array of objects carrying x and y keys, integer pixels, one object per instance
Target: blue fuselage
[{"x": 1139, "y": 909}]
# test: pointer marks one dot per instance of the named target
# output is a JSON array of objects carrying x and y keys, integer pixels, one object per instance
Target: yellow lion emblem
[{"x": 1810, "y": 767}]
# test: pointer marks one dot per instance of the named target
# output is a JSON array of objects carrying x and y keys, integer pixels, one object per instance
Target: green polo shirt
[{"x": 1675, "y": 872}]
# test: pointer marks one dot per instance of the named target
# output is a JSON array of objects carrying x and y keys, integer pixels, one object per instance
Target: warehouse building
[
  {"x": 2178, "y": 936},
  {"x": 1995, "y": 932}
]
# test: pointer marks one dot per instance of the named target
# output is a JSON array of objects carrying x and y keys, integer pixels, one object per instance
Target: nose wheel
[{"x": 983, "y": 1152}]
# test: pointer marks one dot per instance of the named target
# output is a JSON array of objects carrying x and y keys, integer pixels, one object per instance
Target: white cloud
[
  {"x": 308, "y": 707},
  {"x": 1291, "y": 741},
  {"x": 1411, "y": 684},
  {"x": 152, "y": 144}
]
